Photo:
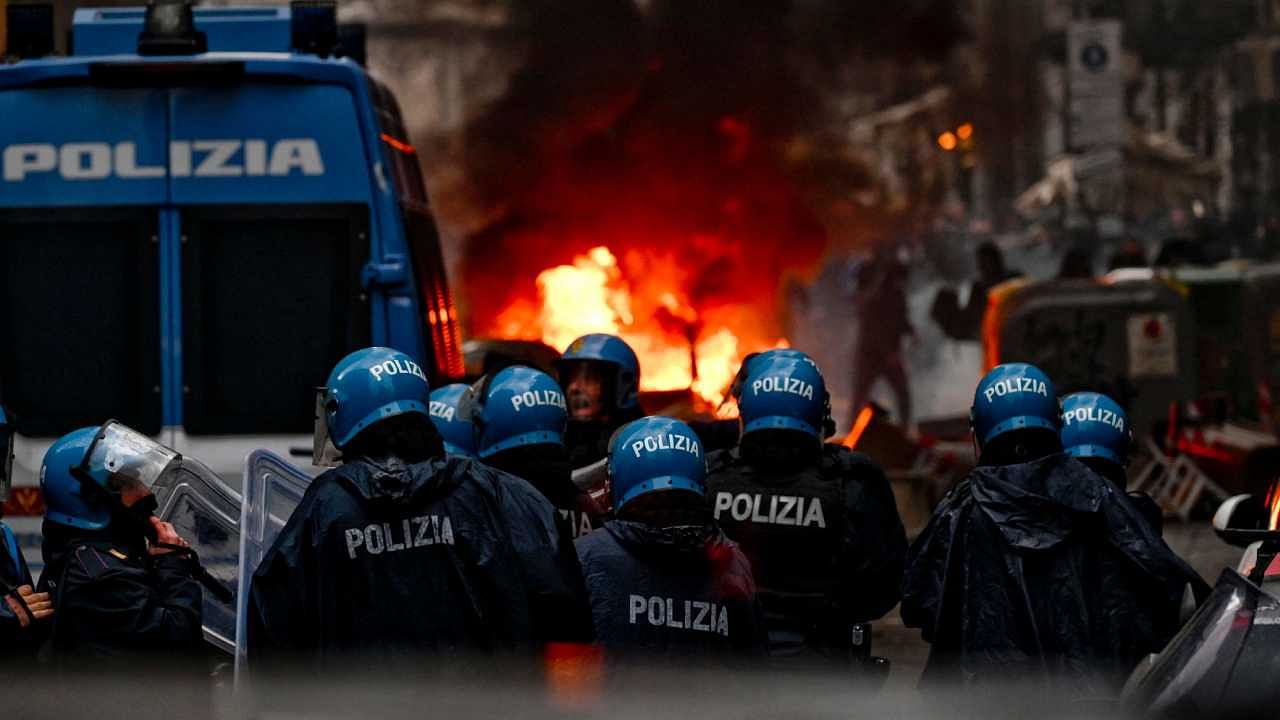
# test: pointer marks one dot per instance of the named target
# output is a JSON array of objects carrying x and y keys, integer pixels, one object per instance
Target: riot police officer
[
  {"x": 664, "y": 581},
  {"x": 24, "y": 612},
  {"x": 1015, "y": 416},
  {"x": 519, "y": 416},
  {"x": 122, "y": 581},
  {"x": 1034, "y": 568},
  {"x": 818, "y": 522},
  {"x": 404, "y": 550},
  {"x": 600, "y": 375},
  {"x": 1096, "y": 431},
  {"x": 458, "y": 434}
]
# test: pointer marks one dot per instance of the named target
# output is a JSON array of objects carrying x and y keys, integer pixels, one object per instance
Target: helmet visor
[
  {"x": 323, "y": 452},
  {"x": 128, "y": 460},
  {"x": 6, "y": 463}
]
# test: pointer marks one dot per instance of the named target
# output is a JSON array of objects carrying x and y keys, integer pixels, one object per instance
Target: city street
[{"x": 628, "y": 354}]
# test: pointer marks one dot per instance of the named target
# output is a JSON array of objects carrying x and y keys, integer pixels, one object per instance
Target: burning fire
[
  {"x": 1273, "y": 505},
  {"x": 678, "y": 346}
]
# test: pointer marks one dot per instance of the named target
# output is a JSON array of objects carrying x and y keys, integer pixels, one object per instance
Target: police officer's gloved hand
[
  {"x": 28, "y": 605},
  {"x": 168, "y": 541},
  {"x": 167, "y": 538}
]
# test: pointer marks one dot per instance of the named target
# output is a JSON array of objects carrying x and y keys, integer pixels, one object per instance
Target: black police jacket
[
  {"x": 16, "y": 642},
  {"x": 112, "y": 600},
  {"x": 546, "y": 468},
  {"x": 445, "y": 556},
  {"x": 1042, "y": 572},
  {"x": 683, "y": 593},
  {"x": 825, "y": 541}
]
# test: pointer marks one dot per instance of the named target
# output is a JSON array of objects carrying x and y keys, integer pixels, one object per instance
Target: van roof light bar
[{"x": 170, "y": 29}]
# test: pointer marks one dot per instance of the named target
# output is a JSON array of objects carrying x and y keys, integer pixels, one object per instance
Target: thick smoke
[{"x": 708, "y": 131}]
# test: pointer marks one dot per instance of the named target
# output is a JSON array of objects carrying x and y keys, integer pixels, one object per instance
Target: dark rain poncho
[
  {"x": 1042, "y": 573},
  {"x": 446, "y": 556}
]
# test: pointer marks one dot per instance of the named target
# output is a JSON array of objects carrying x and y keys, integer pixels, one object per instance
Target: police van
[{"x": 201, "y": 211}]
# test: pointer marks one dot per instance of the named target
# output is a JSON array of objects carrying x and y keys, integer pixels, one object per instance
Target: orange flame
[
  {"x": 865, "y": 415},
  {"x": 649, "y": 310},
  {"x": 1273, "y": 505}
]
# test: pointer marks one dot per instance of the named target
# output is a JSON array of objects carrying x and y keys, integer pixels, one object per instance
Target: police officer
[
  {"x": 818, "y": 522},
  {"x": 458, "y": 434},
  {"x": 122, "y": 581},
  {"x": 1034, "y": 568},
  {"x": 1015, "y": 417},
  {"x": 404, "y": 550},
  {"x": 24, "y": 612},
  {"x": 664, "y": 581},
  {"x": 600, "y": 375},
  {"x": 1096, "y": 431},
  {"x": 519, "y": 416}
]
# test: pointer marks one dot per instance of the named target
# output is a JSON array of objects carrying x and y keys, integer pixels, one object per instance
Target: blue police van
[{"x": 201, "y": 211}]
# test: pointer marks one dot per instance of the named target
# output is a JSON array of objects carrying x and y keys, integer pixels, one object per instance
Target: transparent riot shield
[
  {"x": 206, "y": 513},
  {"x": 594, "y": 480},
  {"x": 272, "y": 489}
]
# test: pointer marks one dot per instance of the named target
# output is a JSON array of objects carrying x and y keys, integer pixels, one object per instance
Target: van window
[
  {"x": 428, "y": 268},
  {"x": 271, "y": 301},
  {"x": 80, "y": 324},
  {"x": 423, "y": 238}
]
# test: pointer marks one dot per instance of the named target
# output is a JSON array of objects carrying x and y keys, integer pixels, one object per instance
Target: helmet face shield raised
[
  {"x": 124, "y": 461},
  {"x": 323, "y": 452}
]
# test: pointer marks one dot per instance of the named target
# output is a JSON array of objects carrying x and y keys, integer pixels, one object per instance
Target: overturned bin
[{"x": 1132, "y": 339}]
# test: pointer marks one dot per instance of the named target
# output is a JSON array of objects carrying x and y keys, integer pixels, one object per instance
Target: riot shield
[
  {"x": 594, "y": 480},
  {"x": 206, "y": 513},
  {"x": 592, "y": 477},
  {"x": 272, "y": 489}
]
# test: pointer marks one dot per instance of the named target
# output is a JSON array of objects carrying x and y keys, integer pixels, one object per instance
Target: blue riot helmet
[
  {"x": 735, "y": 389},
  {"x": 622, "y": 368},
  {"x": 65, "y": 499},
  {"x": 6, "y": 446},
  {"x": 517, "y": 407},
  {"x": 655, "y": 454},
  {"x": 1014, "y": 396},
  {"x": 459, "y": 436},
  {"x": 366, "y": 387},
  {"x": 783, "y": 389},
  {"x": 1095, "y": 426},
  {"x": 88, "y": 471}
]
